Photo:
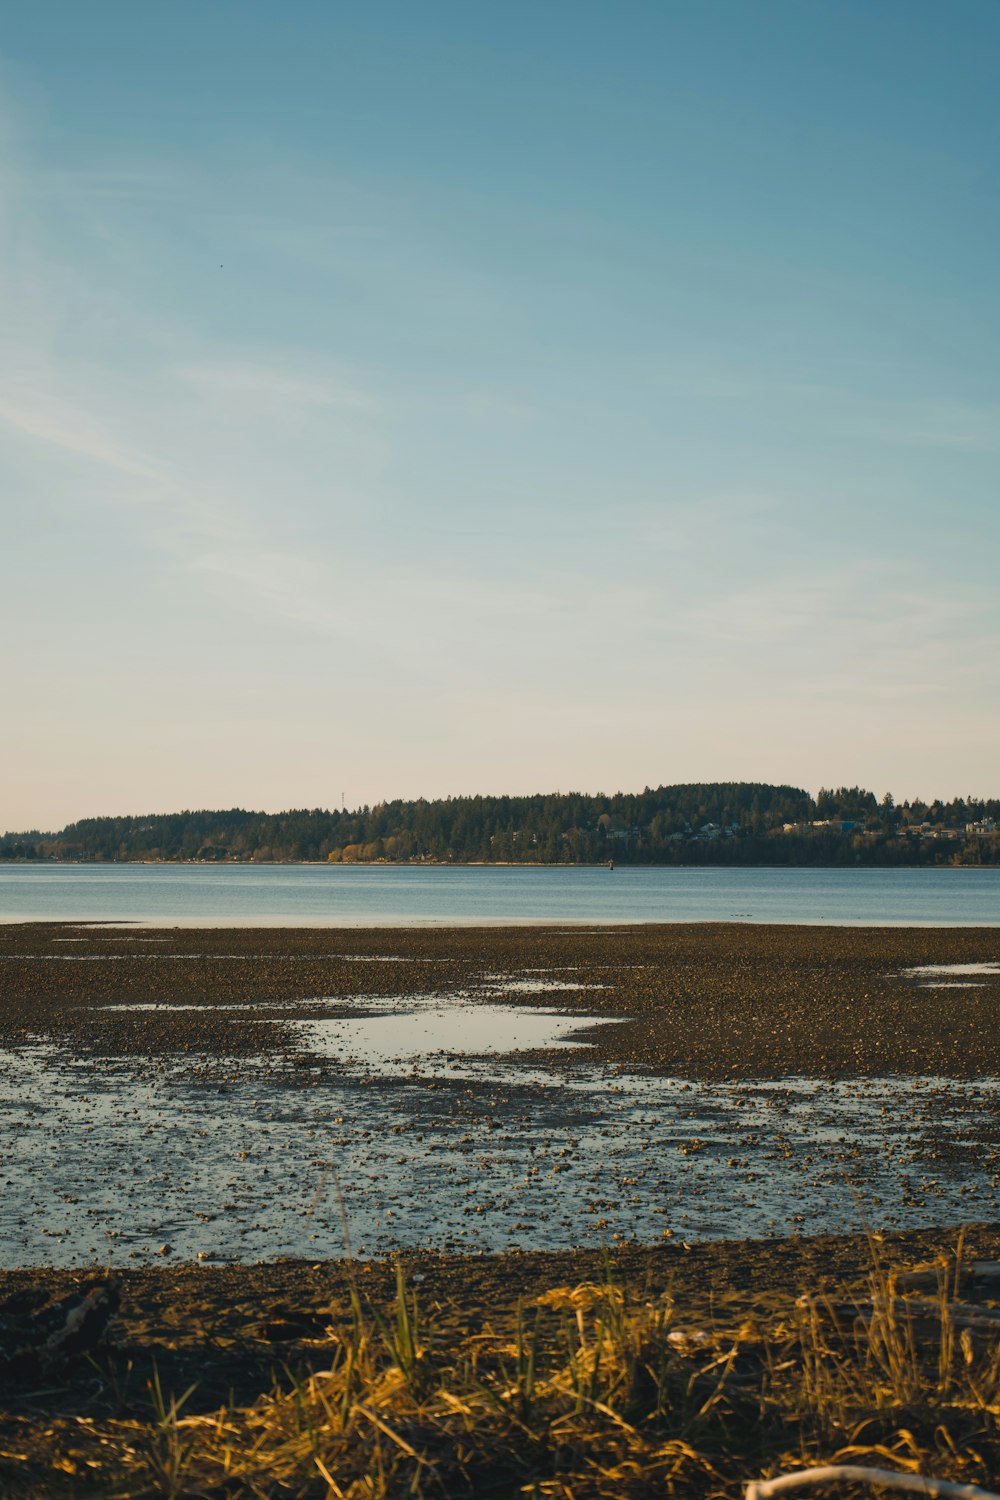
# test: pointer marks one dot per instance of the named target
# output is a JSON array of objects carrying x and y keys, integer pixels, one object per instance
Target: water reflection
[{"x": 435, "y": 1133}]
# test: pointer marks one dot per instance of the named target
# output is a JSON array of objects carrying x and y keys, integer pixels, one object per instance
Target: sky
[{"x": 426, "y": 399}]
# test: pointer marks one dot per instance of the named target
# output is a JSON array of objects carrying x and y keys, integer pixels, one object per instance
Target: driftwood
[
  {"x": 926, "y": 1311},
  {"x": 887, "y": 1479},
  {"x": 37, "y": 1332},
  {"x": 979, "y": 1277}
]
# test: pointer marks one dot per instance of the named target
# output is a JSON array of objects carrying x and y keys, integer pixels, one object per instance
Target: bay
[{"x": 413, "y": 896}]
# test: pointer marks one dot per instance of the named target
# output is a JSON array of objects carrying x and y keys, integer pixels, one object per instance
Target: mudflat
[
  {"x": 702, "y": 1001},
  {"x": 167, "y": 1089}
]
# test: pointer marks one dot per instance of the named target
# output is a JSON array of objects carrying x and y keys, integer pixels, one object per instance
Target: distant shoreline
[
  {"x": 485, "y": 864},
  {"x": 689, "y": 824}
]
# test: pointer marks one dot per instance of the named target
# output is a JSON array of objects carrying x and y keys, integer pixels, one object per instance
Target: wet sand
[
  {"x": 702, "y": 1001},
  {"x": 235, "y": 1095},
  {"x": 509, "y": 1109}
]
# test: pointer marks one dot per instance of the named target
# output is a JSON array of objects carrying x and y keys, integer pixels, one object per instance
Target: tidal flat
[
  {"x": 236, "y": 1095},
  {"x": 644, "y": 1141}
]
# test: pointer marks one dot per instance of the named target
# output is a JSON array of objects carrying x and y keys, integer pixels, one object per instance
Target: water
[
  {"x": 431, "y": 1132},
  {"x": 455, "y": 1118},
  {"x": 411, "y": 896}
]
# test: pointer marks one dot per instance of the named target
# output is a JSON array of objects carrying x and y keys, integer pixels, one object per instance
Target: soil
[{"x": 233, "y": 1332}]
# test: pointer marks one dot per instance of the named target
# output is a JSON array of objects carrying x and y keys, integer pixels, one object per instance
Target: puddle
[
  {"x": 384, "y": 958},
  {"x": 428, "y": 1146},
  {"x": 951, "y": 984},
  {"x": 122, "y": 937},
  {"x": 422, "y": 1116},
  {"x": 394, "y": 1041},
  {"x": 933, "y": 971},
  {"x": 164, "y": 1007},
  {"x": 507, "y": 986},
  {"x": 106, "y": 958}
]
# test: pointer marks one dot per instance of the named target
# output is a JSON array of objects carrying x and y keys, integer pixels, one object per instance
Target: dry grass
[{"x": 588, "y": 1396}]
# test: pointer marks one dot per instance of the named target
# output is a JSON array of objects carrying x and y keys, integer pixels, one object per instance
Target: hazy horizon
[{"x": 411, "y": 400}]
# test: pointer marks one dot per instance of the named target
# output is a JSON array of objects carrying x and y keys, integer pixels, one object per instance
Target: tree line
[{"x": 693, "y": 823}]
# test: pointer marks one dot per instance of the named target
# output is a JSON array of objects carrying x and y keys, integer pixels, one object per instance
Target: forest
[{"x": 715, "y": 823}]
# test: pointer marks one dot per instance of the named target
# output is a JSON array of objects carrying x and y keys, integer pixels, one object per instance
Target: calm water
[
  {"x": 360, "y": 896},
  {"x": 421, "y": 1116}
]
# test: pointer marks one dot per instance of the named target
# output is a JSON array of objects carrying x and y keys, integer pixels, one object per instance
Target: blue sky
[{"x": 415, "y": 399}]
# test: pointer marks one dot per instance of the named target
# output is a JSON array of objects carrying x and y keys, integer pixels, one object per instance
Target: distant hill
[{"x": 693, "y": 823}]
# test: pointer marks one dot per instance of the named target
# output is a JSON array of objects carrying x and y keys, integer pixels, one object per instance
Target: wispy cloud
[
  {"x": 263, "y": 385},
  {"x": 869, "y": 408},
  {"x": 49, "y": 420},
  {"x": 208, "y": 444},
  {"x": 867, "y": 632},
  {"x": 945, "y": 424}
]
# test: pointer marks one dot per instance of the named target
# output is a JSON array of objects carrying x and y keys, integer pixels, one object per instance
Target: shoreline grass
[{"x": 579, "y": 1392}]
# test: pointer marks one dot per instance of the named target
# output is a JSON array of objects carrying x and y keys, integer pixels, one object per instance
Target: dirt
[{"x": 232, "y": 1332}]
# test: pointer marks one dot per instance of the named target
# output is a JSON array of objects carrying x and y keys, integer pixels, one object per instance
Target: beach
[
  {"x": 218, "y": 1381},
  {"x": 246, "y": 1129},
  {"x": 703, "y": 1000},
  {"x": 487, "y": 1089}
]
